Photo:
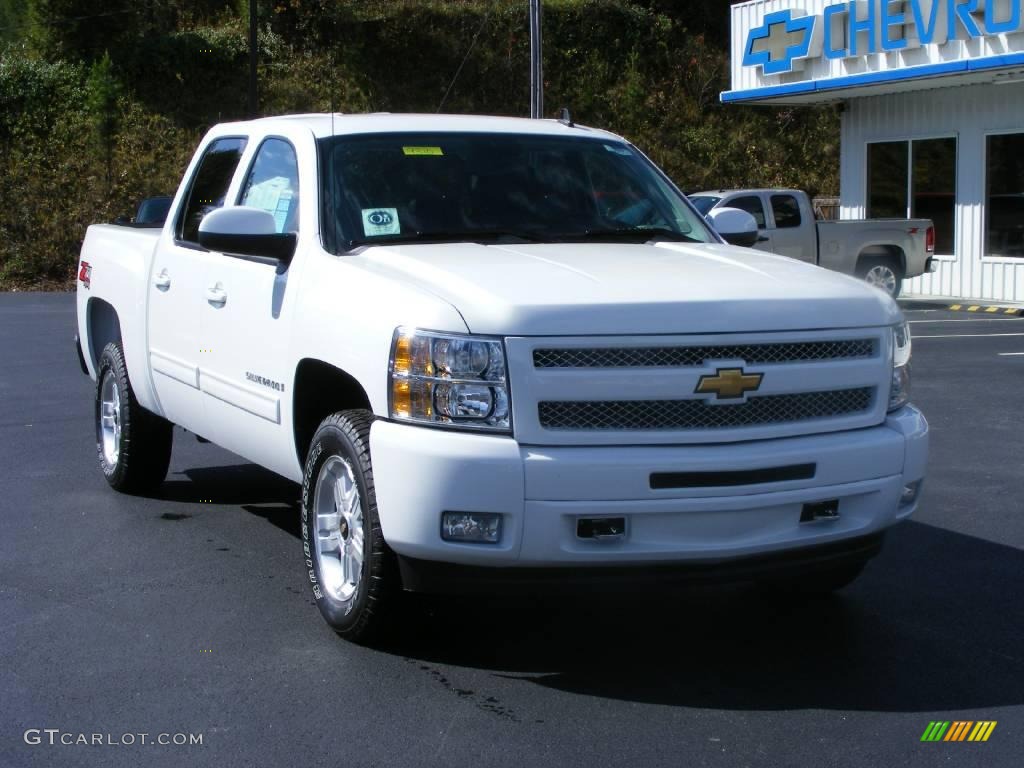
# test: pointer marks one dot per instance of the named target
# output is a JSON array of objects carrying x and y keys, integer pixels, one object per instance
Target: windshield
[
  {"x": 704, "y": 203},
  {"x": 387, "y": 188}
]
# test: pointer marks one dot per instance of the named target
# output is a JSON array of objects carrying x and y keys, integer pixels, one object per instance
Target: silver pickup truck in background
[{"x": 882, "y": 251}]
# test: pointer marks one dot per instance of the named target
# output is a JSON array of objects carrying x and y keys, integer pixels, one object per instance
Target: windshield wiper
[
  {"x": 641, "y": 234},
  {"x": 450, "y": 235}
]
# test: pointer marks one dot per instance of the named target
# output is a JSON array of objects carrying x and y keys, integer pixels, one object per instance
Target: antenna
[
  {"x": 565, "y": 118},
  {"x": 465, "y": 58}
]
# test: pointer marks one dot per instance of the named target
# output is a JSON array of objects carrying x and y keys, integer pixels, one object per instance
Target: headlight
[
  {"x": 899, "y": 390},
  {"x": 449, "y": 380}
]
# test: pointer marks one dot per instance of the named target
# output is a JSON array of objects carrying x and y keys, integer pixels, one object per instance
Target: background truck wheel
[
  {"x": 133, "y": 444},
  {"x": 882, "y": 272},
  {"x": 352, "y": 571}
]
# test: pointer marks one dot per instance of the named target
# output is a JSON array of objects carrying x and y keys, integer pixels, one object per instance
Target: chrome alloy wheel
[
  {"x": 882, "y": 276},
  {"x": 339, "y": 528},
  {"x": 110, "y": 419}
]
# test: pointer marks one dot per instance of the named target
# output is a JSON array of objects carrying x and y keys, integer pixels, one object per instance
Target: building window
[
  {"x": 888, "y": 165},
  {"x": 915, "y": 179},
  {"x": 1004, "y": 199}
]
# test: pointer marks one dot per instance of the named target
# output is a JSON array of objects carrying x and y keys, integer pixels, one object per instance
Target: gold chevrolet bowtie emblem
[{"x": 729, "y": 383}]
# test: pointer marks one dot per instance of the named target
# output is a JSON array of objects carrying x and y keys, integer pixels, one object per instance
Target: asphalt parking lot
[{"x": 189, "y": 613}]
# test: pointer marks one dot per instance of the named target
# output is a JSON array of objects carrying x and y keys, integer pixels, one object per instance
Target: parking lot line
[
  {"x": 972, "y": 320},
  {"x": 968, "y": 336},
  {"x": 1011, "y": 354}
]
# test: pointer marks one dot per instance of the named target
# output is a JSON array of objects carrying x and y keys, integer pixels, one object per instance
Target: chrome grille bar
[
  {"x": 653, "y": 357},
  {"x": 698, "y": 414}
]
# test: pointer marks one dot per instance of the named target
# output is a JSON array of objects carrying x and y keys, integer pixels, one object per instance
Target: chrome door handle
[
  {"x": 216, "y": 295},
  {"x": 163, "y": 280}
]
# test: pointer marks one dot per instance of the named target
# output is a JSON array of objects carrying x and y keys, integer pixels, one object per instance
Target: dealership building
[{"x": 932, "y": 96}]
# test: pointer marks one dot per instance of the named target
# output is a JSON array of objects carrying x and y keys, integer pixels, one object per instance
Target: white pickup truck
[
  {"x": 883, "y": 252},
  {"x": 499, "y": 353}
]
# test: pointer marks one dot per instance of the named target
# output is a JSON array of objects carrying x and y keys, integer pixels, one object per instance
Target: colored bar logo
[{"x": 958, "y": 730}]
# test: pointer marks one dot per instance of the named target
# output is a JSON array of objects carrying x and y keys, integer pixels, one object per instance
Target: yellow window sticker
[{"x": 422, "y": 151}]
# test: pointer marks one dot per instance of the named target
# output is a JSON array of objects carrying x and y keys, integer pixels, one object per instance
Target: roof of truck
[
  {"x": 752, "y": 191},
  {"x": 323, "y": 125}
]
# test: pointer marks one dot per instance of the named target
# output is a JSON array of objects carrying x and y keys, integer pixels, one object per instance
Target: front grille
[
  {"x": 654, "y": 357},
  {"x": 698, "y": 414}
]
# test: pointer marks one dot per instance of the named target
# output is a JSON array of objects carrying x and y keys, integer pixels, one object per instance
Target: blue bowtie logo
[{"x": 779, "y": 41}]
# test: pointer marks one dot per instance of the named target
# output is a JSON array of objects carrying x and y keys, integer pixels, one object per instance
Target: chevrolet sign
[{"x": 787, "y": 39}]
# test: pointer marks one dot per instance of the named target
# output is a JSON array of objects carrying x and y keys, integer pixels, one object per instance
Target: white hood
[{"x": 619, "y": 289}]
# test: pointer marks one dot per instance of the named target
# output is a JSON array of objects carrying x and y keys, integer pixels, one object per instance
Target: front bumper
[
  {"x": 541, "y": 491},
  {"x": 446, "y": 578}
]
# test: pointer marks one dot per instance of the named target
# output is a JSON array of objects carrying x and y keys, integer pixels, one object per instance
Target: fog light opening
[
  {"x": 472, "y": 527},
  {"x": 601, "y": 528},
  {"x": 910, "y": 493}
]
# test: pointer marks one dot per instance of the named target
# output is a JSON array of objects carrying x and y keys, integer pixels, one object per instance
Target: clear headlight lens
[
  {"x": 448, "y": 379},
  {"x": 899, "y": 390}
]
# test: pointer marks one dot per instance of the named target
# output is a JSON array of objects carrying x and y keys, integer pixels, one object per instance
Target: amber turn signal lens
[{"x": 403, "y": 355}]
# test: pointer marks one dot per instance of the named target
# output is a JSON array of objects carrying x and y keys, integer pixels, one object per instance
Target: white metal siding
[{"x": 969, "y": 113}]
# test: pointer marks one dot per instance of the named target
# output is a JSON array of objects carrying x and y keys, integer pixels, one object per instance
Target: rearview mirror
[
  {"x": 735, "y": 226},
  {"x": 243, "y": 231}
]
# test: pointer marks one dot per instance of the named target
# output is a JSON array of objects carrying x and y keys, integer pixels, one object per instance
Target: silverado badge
[{"x": 729, "y": 383}]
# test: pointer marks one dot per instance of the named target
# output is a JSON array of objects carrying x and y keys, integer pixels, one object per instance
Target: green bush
[{"x": 100, "y": 112}]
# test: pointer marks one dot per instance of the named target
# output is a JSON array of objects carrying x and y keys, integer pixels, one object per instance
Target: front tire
[
  {"x": 351, "y": 569},
  {"x": 133, "y": 445}
]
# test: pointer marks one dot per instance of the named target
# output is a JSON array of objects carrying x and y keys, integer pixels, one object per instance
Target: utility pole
[
  {"x": 536, "y": 63},
  {"x": 253, "y": 97}
]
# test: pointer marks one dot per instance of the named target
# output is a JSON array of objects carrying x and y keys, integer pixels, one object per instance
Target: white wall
[{"x": 968, "y": 113}]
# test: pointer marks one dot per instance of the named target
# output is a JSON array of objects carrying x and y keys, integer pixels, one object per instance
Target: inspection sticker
[
  {"x": 422, "y": 151},
  {"x": 380, "y": 221}
]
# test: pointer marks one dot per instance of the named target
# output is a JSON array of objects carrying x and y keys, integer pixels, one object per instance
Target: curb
[
  {"x": 987, "y": 309},
  {"x": 979, "y": 309}
]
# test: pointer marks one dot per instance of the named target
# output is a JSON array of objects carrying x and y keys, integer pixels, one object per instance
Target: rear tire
[
  {"x": 352, "y": 571},
  {"x": 883, "y": 272},
  {"x": 133, "y": 445}
]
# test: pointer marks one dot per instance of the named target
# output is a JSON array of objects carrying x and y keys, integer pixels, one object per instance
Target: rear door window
[
  {"x": 786, "y": 211},
  {"x": 209, "y": 185}
]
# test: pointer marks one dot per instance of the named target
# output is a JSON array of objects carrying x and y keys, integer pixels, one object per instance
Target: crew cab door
[
  {"x": 246, "y": 315},
  {"x": 793, "y": 231},
  {"x": 176, "y": 289}
]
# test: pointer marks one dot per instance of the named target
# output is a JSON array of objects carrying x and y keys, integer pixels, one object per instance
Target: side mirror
[
  {"x": 735, "y": 226},
  {"x": 245, "y": 231}
]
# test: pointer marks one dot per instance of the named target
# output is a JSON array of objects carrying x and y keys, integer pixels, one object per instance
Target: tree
[{"x": 103, "y": 90}]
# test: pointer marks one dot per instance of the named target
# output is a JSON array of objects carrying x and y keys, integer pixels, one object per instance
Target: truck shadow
[
  {"x": 934, "y": 624},
  {"x": 254, "y": 489}
]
